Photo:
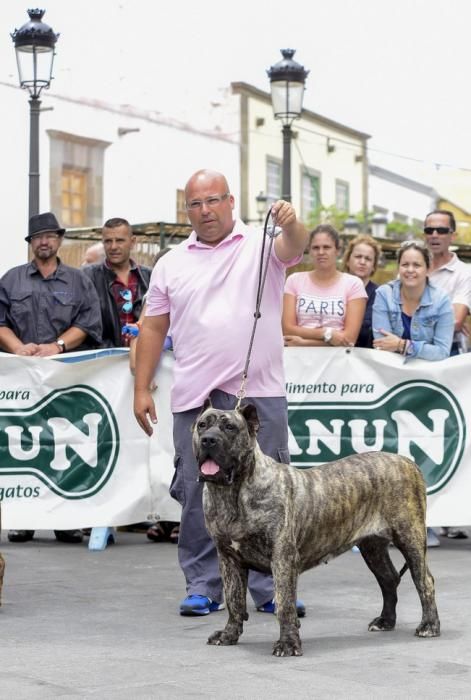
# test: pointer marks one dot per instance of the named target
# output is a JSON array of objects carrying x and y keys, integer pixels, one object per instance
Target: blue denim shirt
[{"x": 432, "y": 324}]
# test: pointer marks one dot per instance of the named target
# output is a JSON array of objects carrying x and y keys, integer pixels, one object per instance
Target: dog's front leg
[
  {"x": 234, "y": 578},
  {"x": 285, "y": 576}
]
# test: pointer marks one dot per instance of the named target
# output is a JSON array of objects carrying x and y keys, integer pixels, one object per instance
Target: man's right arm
[
  {"x": 9, "y": 342},
  {"x": 150, "y": 342},
  {"x": 461, "y": 312},
  {"x": 461, "y": 298}
]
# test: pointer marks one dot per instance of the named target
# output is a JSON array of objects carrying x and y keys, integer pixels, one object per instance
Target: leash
[{"x": 262, "y": 276}]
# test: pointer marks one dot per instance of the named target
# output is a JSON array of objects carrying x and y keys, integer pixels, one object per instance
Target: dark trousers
[{"x": 197, "y": 554}]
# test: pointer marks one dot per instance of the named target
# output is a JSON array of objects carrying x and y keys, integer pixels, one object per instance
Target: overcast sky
[{"x": 396, "y": 69}]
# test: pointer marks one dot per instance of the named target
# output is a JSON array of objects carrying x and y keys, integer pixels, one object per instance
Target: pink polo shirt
[{"x": 210, "y": 294}]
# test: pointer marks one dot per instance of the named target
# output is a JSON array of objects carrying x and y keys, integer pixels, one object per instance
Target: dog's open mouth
[
  {"x": 213, "y": 472},
  {"x": 209, "y": 467}
]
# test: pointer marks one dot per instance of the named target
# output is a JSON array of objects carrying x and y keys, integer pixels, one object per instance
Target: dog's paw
[
  {"x": 381, "y": 624},
  {"x": 428, "y": 629},
  {"x": 222, "y": 638},
  {"x": 287, "y": 648}
]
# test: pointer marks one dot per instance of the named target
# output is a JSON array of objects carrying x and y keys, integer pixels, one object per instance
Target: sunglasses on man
[
  {"x": 441, "y": 230},
  {"x": 127, "y": 306}
]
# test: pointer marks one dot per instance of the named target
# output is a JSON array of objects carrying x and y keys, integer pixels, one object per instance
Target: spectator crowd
[{"x": 200, "y": 299}]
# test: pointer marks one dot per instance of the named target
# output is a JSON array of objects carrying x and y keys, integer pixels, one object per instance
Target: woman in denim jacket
[{"x": 410, "y": 315}]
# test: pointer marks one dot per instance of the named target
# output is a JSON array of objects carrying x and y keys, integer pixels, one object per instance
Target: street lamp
[
  {"x": 287, "y": 79},
  {"x": 261, "y": 200},
  {"x": 34, "y": 46},
  {"x": 378, "y": 226},
  {"x": 351, "y": 225}
]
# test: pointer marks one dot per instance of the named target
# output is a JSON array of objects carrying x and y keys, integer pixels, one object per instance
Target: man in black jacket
[{"x": 119, "y": 282}]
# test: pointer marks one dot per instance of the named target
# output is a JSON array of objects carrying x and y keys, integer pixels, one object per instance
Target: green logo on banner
[
  {"x": 69, "y": 440},
  {"x": 419, "y": 419}
]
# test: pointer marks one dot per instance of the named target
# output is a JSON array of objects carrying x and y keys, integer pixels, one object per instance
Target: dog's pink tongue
[{"x": 209, "y": 467}]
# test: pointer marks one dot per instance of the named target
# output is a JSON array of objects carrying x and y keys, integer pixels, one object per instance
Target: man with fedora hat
[{"x": 47, "y": 308}]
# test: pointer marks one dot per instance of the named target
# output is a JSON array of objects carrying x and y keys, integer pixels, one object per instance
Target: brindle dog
[{"x": 273, "y": 518}]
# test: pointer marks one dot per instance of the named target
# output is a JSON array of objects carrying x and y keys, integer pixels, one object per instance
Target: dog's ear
[
  {"x": 250, "y": 414},
  {"x": 207, "y": 404}
]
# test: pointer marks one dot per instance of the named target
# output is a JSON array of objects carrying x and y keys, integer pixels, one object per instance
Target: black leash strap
[{"x": 262, "y": 276}]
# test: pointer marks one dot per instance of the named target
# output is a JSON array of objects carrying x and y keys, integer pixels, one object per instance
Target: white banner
[
  {"x": 344, "y": 401},
  {"x": 72, "y": 454}
]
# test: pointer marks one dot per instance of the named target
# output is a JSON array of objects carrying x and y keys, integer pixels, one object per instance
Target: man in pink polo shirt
[{"x": 206, "y": 289}]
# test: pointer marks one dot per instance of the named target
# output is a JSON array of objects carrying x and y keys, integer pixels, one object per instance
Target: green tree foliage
[
  {"x": 327, "y": 215},
  {"x": 401, "y": 231}
]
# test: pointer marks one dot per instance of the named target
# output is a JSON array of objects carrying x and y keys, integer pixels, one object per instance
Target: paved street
[{"x": 87, "y": 624}]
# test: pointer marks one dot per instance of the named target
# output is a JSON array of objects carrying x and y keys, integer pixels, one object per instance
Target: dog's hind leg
[
  {"x": 234, "y": 578},
  {"x": 412, "y": 544},
  {"x": 376, "y": 555}
]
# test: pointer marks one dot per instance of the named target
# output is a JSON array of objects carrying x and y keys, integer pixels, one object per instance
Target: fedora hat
[{"x": 40, "y": 223}]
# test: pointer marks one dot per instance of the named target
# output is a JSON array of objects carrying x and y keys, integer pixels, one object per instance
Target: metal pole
[
  {"x": 286, "y": 180},
  {"x": 35, "y": 105},
  {"x": 364, "y": 162}
]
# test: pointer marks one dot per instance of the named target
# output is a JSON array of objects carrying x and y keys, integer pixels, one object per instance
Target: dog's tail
[{"x": 403, "y": 570}]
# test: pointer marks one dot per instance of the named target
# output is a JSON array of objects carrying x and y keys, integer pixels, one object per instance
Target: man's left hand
[
  {"x": 46, "y": 349},
  {"x": 293, "y": 238},
  {"x": 284, "y": 214}
]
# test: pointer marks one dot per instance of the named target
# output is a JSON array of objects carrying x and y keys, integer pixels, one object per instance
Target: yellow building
[{"x": 463, "y": 219}]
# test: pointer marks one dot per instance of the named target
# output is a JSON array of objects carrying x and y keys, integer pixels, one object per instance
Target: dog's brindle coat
[{"x": 273, "y": 518}]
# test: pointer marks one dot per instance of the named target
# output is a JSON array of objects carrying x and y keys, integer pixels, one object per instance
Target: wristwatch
[
  {"x": 328, "y": 332},
  {"x": 61, "y": 345}
]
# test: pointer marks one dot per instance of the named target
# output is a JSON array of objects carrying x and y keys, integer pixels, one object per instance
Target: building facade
[
  {"x": 328, "y": 160},
  {"x": 400, "y": 199},
  {"x": 99, "y": 160}
]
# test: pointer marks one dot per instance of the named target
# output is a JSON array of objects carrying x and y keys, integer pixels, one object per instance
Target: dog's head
[{"x": 223, "y": 443}]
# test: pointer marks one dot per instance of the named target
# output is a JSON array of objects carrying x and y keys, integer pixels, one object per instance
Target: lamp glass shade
[
  {"x": 34, "y": 66},
  {"x": 287, "y": 100}
]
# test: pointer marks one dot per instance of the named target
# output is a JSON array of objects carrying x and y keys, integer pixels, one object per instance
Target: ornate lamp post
[
  {"x": 34, "y": 46},
  {"x": 287, "y": 80}
]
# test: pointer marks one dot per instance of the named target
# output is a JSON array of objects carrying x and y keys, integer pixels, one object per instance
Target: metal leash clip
[
  {"x": 241, "y": 393},
  {"x": 275, "y": 230}
]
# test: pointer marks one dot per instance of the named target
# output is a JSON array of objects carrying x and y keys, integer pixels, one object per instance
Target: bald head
[
  {"x": 94, "y": 254},
  {"x": 202, "y": 177},
  {"x": 209, "y": 206}
]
